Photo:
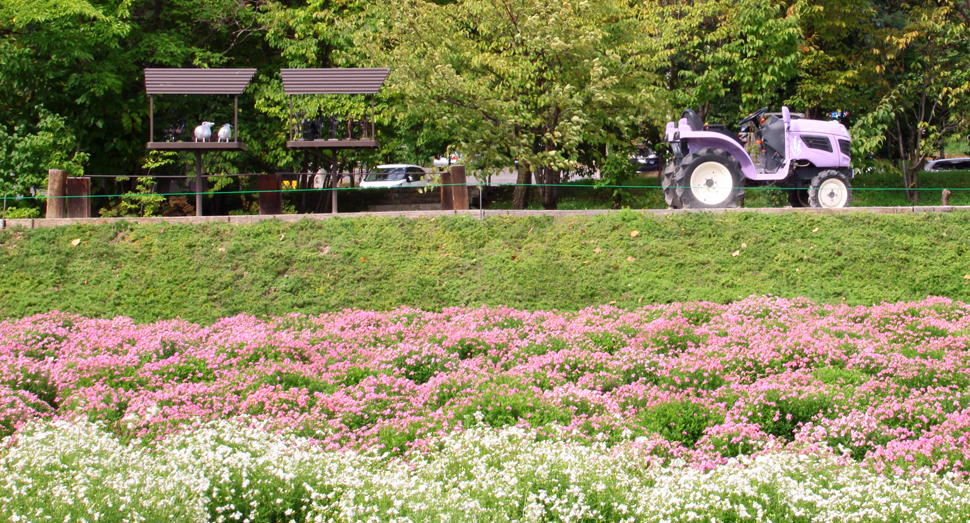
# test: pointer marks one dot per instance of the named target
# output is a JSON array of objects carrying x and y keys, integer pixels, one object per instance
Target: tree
[
  {"x": 836, "y": 68},
  {"x": 727, "y": 57},
  {"x": 27, "y": 152},
  {"x": 534, "y": 80},
  {"x": 82, "y": 61},
  {"x": 925, "y": 62}
]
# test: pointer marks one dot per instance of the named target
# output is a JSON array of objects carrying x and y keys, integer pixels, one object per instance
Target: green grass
[{"x": 205, "y": 272}]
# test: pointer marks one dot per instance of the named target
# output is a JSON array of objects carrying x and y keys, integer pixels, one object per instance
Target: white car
[
  {"x": 948, "y": 164},
  {"x": 395, "y": 175}
]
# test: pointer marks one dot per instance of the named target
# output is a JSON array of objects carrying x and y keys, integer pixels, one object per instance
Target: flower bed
[
  {"x": 699, "y": 383},
  {"x": 226, "y": 472}
]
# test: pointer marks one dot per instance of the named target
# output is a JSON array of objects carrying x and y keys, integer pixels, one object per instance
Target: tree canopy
[{"x": 552, "y": 85}]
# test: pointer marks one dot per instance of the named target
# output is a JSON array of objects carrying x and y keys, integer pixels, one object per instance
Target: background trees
[
  {"x": 926, "y": 72},
  {"x": 554, "y": 85},
  {"x": 534, "y": 80}
]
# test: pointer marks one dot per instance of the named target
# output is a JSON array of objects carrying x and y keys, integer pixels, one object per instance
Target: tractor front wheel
[
  {"x": 709, "y": 179},
  {"x": 830, "y": 190}
]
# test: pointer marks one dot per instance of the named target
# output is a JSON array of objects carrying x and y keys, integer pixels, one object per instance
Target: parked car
[
  {"x": 395, "y": 175},
  {"x": 645, "y": 159},
  {"x": 948, "y": 164}
]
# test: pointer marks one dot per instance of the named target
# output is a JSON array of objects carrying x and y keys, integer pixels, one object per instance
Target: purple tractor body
[{"x": 711, "y": 165}]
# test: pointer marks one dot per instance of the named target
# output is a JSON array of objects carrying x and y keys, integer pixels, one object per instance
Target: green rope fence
[{"x": 561, "y": 186}]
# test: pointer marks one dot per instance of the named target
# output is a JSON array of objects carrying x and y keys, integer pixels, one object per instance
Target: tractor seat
[
  {"x": 693, "y": 120},
  {"x": 697, "y": 124}
]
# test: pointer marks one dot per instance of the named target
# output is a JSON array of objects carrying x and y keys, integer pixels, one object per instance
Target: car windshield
[{"x": 392, "y": 174}]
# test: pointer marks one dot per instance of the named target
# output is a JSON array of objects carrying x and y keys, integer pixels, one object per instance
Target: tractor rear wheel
[
  {"x": 709, "y": 179},
  {"x": 829, "y": 190},
  {"x": 798, "y": 197},
  {"x": 667, "y": 182}
]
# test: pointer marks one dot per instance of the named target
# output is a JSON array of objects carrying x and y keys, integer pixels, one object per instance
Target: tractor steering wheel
[{"x": 753, "y": 116}]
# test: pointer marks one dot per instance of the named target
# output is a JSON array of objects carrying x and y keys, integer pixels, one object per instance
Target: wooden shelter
[
  {"x": 345, "y": 81},
  {"x": 196, "y": 81}
]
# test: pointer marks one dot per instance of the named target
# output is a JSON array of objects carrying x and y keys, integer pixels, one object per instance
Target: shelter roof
[
  {"x": 197, "y": 81},
  {"x": 334, "y": 81}
]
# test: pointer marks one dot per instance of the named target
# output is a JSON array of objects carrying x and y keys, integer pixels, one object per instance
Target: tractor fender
[{"x": 697, "y": 140}]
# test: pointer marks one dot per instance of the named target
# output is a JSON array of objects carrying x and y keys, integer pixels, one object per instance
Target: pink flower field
[{"x": 702, "y": 383}]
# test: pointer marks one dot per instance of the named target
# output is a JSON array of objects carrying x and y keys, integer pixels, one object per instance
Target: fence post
[
  {"x": 447, "y": 196},
  {"x": 271, "y": 201},
  {"x": 79, "y": 203},
  {"x": 459, "y": 188},
  {"x": 56, "y": 192}
]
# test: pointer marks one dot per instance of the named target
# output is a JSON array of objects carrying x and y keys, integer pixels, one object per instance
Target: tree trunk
[
  {"x": 549, "y": 187},
  {"x": 911, "y": 180},
  {"x": 523, "y": 187}
]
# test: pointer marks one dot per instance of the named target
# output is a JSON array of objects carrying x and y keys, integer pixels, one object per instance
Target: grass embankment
[{"x": 205, "y": 272}]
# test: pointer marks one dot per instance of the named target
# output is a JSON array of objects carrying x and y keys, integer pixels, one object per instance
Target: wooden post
[
  {"x": 79, "y": 201},
  {"x": 271, "y": 201},
  {"x": 447, "y": 195},
  {"x": 333, "y": 182},
  {"x": 459, "y": 188},
  {"x": 151, "y": 118},
  {"x": 198, "y": 183},
  {"x": 56, "y": 192}
]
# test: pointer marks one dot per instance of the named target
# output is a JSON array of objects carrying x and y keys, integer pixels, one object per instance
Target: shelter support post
[
  {"x": 198, "y": 183},
  {"x": 151, "y": 118},
  {"x": 333, "y": 182}
]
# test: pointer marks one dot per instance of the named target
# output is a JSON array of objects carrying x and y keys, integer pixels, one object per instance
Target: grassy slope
[{"x": 202, "y": 273}]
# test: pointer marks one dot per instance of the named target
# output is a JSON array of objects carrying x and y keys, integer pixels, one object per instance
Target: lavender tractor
[{"x": 711, "y": 165}]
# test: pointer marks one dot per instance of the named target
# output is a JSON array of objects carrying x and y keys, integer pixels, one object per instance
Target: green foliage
[
  {"x": 780, "y": 414},
  {"x": 923, "y": 63},
  {"x": 836, "y": 66},
  {"x": 143, "y": 201},
  {"x": 22, "y": 212},
  {"x": 617, "y": 171},
  {"x": 505, "y": 402},
  {"x": 681, "y": 421},
  {"x": 531, "y": 80},
  {"x": 28, "y": 150},
  {"x": 727, "y": 58},
  {"x": 419, "y": 367},
  {"x": 206, "y": 272}
]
